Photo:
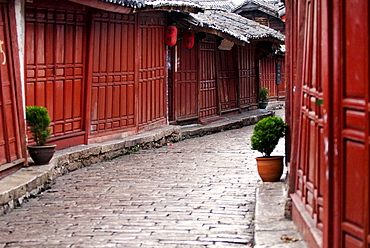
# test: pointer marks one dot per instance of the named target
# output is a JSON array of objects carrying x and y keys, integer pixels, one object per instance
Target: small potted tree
[
  {"x": 263, "y": 95},
  {"x": 266, "y": 135},
  {"x": 39, "y": 122}
]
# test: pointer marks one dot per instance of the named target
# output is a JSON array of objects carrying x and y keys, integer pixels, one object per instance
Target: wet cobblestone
[{"x": 199, "y": 192}]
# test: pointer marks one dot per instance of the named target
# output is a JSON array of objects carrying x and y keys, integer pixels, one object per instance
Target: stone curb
[
  {"x": 229, "y": 123},
  {"x": 271, "y": 225},
  {"x": 31, "y": 180}
]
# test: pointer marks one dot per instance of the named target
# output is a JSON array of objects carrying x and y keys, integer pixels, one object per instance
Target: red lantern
[
  {"x": 188, "y": 39},
  {"x": 171, "y": 36}
]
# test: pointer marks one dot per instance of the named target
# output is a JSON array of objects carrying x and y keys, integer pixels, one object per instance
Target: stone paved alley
[{"x": 199, "y": 192}]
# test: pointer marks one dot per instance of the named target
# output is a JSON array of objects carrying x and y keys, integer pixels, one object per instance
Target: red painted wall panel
[
  {"x": 185, "y": 86},
  {"x": 248, "y": 78},
  {"x": 55, "y": 42},
  {"x": 152, "y": 70},
  {"x": 113, "y": 78},
  {"x": 208, "y": 106},
  {"x": 228, "y": 80}
]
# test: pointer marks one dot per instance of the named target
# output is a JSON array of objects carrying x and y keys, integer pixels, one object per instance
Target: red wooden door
[
  {"x": 309, "y": 155},
  {"x": 185, "y": 85},
  {"x": 11, "y": 155},
  {"x": 267, "y": 70},
  {"x": 282, "y": 86},
  {"x": 113, "y": 73},
  {"x": 227, "y": 80},
  {"x": 152, "y": 71},
  {"x": 311, "y": 168},
  {"x": 351, "y": 51},
  {"x": 55, "y": 66},
  {"x": 208, "y": 104},
  {"x": 331, "y": 201},
  {"x": 248, "y": 78}
]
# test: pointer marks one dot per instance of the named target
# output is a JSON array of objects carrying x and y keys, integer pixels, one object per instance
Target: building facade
[
  {"x": 103, "y": 70},
  {"x": 328, "y": 114}
]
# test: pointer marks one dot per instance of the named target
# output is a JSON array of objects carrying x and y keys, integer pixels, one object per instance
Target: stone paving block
[{"x": 196, "y": 193}]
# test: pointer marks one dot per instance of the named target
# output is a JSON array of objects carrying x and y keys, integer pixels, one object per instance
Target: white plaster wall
[{"x": 20, "y": 19}]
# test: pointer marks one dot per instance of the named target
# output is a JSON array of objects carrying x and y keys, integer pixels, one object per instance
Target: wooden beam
[
  {"x": 98, "y": 4},
  {"x": 218, "y": 33},
  {"x": 170, "y": 8}
]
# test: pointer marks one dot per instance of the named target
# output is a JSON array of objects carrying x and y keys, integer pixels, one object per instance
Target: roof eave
[
  {"x": 171, "y": 8},
  {"x": 98, "y": 4},
  {"x": 271, "y": 39},
  {"x": 218, "y": 33}
]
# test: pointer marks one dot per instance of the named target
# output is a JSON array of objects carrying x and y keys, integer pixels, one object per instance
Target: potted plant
[
  {"x": 39, "y": 121},
  {"x": 266, "y": 135},
  {"x": 263, "y": 94}
]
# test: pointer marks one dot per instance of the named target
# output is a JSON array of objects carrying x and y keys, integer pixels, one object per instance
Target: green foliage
[
  {"x": 39, "y": 121},
  {"x": 263, "y": 94},
  {"x": 266, "y": 134}
]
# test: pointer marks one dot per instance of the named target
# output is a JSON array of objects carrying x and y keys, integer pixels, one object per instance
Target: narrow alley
[{"x": 199, "y": 192}]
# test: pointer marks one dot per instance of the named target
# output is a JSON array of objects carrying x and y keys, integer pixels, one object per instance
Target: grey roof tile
[
  {"x": 226, "y": 5},
  {"x": 268, "y": 6},
  {"x": 128, "y": 3},
  {"x": 154, "y": 3},
  {"x": 234, "y": 25}
]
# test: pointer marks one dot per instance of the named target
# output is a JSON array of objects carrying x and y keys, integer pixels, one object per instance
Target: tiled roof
[
  {"x": 172, "y": 3},
  {"x": 226, "y": 5},
  {"x": 269, "y": 6},
  {"x": 154, "y": 3},
  {"x": 234, "y": 25},
  {"x": 128, "y": 3}
]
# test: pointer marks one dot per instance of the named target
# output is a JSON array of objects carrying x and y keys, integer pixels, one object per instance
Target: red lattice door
[
  {"x": 185, "y": 85},
  {"x": 113, "y": 73},
  {"x": 352, "y": 159},
  {"x": 55, "y": 66},
  {"x": 227, "y": 78},
  {"x": 152, "y": 70},
  {"x": 310, "y": 181},
  {"x": 207, "y": 77},
  {"x": 248, "y": 78}
]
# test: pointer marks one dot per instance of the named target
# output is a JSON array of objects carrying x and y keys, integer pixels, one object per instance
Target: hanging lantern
[
  {"x": 171, "y": 36},
  {"x": 189, "y": 39}
]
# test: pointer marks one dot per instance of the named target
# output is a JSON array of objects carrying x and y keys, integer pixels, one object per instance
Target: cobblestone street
[{"x": 199, "y": 192}]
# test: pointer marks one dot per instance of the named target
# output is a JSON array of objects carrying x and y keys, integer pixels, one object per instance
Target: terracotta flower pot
[
  {"x": 41, "y": 154},
  {"x": 271, "y": 168}
]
